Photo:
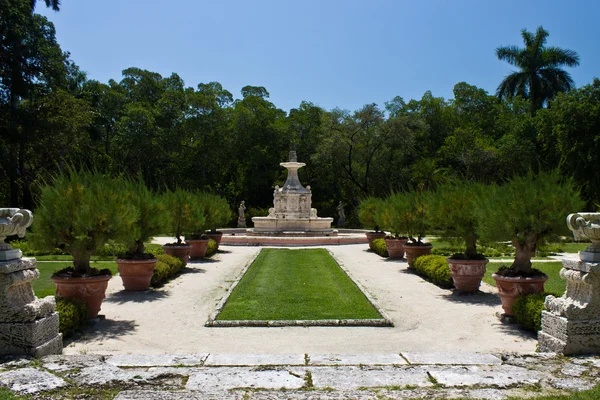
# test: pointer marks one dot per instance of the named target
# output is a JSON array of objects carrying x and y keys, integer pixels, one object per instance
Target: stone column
[
  {"x": 28, "y": 325},
  {"x": 571, "y": 323}
]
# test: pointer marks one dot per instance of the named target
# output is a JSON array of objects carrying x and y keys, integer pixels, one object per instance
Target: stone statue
[
  {"x": 242, "y": 215},
  {"x": 13, "y": 221},
  {"x": 342, "y": 215}
]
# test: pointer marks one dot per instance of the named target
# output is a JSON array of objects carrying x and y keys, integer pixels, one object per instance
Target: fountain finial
[{"x": 293, "y": 157}]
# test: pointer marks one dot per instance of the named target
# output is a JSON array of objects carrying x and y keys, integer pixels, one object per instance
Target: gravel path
[{"x": 171, "y": 320}]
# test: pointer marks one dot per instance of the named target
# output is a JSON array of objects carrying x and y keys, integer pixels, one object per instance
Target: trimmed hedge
[
  {"x": 380, "y": 248},
  {"x": 528, "y": 310},
  {"x": 212, "y": 248},
  {"x": 166, "y": 267},
  {"x": 434, "y": 269},
  {"x": 72, "y": 315}
]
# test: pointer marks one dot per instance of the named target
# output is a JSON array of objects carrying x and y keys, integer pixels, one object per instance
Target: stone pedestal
[
  {"x": 571, "y": 323},
  {"x": 28, "y": 325}
]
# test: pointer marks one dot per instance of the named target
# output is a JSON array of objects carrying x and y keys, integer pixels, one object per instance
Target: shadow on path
[
  {"x": 104, "y": 329},
  {"x": 192, "y": 269},
  {"x": 144, "y": 296},
  {"x": 477, "y": 298}
]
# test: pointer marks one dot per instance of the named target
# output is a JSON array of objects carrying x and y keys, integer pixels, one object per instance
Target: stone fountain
[
  {"x": 28, "y": 325},
  {"x": 292, "y": 213},
  {"x": 571, "y": 323}
]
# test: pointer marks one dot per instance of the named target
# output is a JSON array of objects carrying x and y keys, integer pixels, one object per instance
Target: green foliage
[
  {"x": 183, "y": 214},
  {"x": 367, "y": 211},
  {"x": 215, "y": 210},
  {"x": 79, "y": 212},
  {"x": 435, "y": 269},
  {"x": 528, "y": 310},
  {"x": 151, "y": 216},
  {"x": 379, "y": 247},
  {"x": 72, "y": 315},
  {"x": 25, "y": 246},
  {"x": 166, "y": 267},
  {"x": 527, "y": 210},
  {"x": 211, "y": 248},
  {"x": 452, "y": 210}
]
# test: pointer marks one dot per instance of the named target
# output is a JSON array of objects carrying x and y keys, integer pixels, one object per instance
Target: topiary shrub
[
  {"x": 212, "y": 248},
  {"x": 72, "y": 315},
  {"x": 380, "y": 248},
  {"x": 528, "y": 310},
  {"x": 166, "y": 267},
  {"x": 434, "y": 269}
]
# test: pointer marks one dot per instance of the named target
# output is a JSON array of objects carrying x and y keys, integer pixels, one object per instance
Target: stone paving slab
[
  {"x": 102, "y": 374},
  {"x": 156, "y": 360},
  {"x": 254, "y": 359},
  {"x": 498, "y": 376},
  {"x": 62, "y": 363},
  {"x": 451, "y": 358},
  {"x": 356, "y": 359},
  {"x": 30, "y": 380},
  {"x": 212, "y": 379},
  {"x": 348, "y": 377}
]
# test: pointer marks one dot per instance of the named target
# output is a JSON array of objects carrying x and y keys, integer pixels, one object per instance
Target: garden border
[{"x": 378, "y": 322}]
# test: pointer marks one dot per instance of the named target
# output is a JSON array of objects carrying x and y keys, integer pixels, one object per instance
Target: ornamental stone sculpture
[
  {"x": 13, "y": 221},
  {"x": 242, "y": 215},
  {"x": 28, "y": 325},
  {"x": 571, "y": 323}
]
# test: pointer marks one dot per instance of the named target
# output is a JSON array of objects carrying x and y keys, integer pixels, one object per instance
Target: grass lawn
[
  {"x": 573, "y": 247},
  {"x": 45, "y": 287},
  {"x": 285, "y": 284},
  {"x": 554, "y": 284}
]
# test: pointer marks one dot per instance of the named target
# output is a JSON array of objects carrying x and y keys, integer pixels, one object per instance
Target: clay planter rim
[
  {"x": 82, "y": 281},
  {"x": 135, "y": 261},
  {"x": 532, "y": 279},
  {"x": 190, "y": 241},
  {"x": 98, "y": 278},
  {"x": 467, "y": 261},
  {"x": 177, "y": 246},
  {"x": 136, "y": 274},
  {"x": 418, "y": 246}
]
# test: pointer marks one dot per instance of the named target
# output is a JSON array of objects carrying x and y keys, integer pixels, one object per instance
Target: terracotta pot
[
  {"x": 413, "y": 252},
  {"x": 198, "y": 248},
  {"x": 511, "y": 287},
  {"x": 467, "y": 274},
  {"x": 90, "y": 289},
  {"x": 181, "y": 251},
  {"x": 374, "y": 235},
  {"x": 136, "y": 274},
  {"x": 395, "y": 247},
  {"x": 216, "y": 236}
]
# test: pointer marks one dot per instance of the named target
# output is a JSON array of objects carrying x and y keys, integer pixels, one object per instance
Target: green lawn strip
[
  {"x": 67, "y": 257},
  {"x": 573, "y": 247},
  {"x": 591, "y": 394},
  {"x": 45, "y": 287},
  {"x": 554, "y": 284},
  {"x": 308, "y": 284}
]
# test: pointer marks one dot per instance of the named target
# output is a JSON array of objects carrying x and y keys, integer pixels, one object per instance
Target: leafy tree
[
  {"x": 54, "y": 4},
  {"x": 539, "y": 77}
]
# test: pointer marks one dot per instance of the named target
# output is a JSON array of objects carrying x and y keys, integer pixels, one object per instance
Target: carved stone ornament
[
  {"x": 586, "y": 226},
  {"x": 13, "y": 221}
]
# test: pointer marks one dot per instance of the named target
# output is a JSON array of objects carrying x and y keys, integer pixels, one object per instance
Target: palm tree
[
  {"x": 540, "y": 77},
  {"x": 54, "y": 4}
]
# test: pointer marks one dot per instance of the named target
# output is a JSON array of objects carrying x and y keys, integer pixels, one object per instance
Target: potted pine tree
[
  {"x": 182, "y": 217},
  {"x": 217, "y": 214},
  {"x": 78, "y": 212},
  {"x": 393, "y": 217},
  {"x": 527, "y": 210},
  {"x": 417, "y": 223},
  {"x": 452, "y": 210},
  {"x": 136, "y": 267},
  {"x": 367, "y": 209}
]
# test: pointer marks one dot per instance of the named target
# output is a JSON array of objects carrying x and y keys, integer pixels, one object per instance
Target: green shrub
[
  {"x": 111, "y": 249},
  {"x": 212, "y": 248},
  {"x": 166, "y": 267},
  {"x": 367, "y": 211},
  {"x": 29, "y": 251},
  {"x": 528, "y": 310},
  {"x": 435, "y": 269},
  {"x": 155, "y": 249},
  {"x": 72, "y": 315},
  {"x": 380, "y": 248}
]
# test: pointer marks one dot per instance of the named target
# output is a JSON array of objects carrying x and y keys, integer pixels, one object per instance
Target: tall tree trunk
[{"x": 471, "y": 243}]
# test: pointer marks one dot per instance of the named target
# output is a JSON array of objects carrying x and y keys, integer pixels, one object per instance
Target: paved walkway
[
  {"x": 300, "y": 376},
  {"x": 171, "y": 320}
]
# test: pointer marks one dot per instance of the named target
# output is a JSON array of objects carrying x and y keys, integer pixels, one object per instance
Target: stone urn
[
  {"x": 586, "y": 226},
  {"x": 413, "y": 251},
  {"x": 372, "y": 236},
  {"x": 512, "y": 287},
  {"x": 216, "y": 236},
  {"x": 136, "y": 274},
  {"x": 199, "y": 247},
  {"x": 181, "y": 251},
  {"x": 89, "y": 289},
  {"x": 395, "y": 247},
  {"x": 467, "y": 274}
]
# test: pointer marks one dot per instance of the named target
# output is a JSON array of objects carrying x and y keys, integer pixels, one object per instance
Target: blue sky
[{"x": 333, "y": 53}]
